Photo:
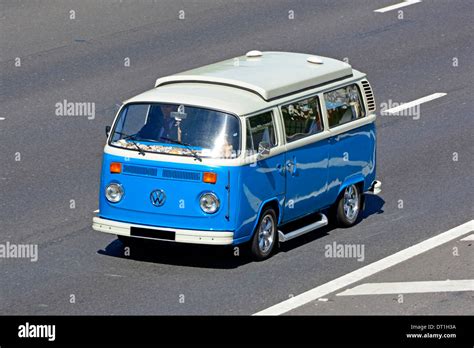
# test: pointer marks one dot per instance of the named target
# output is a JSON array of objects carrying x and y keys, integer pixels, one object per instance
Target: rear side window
[
  {"x": 344, "y": 105},
  {"x": 302, "y": 118},
  {"x": 260, "y": 128}
]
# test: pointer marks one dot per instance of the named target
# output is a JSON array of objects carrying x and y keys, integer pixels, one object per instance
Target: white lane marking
[
  {"x": 367, "y": 271},
  {"x": 469, "y": 238},
  {"x": 410, "y": 287},
  {"x": 2, "y": 118},
  {"x": 414, "y": 103},
  {"x": 96, "y": 211},
  {"x": 397, "y": 6}
]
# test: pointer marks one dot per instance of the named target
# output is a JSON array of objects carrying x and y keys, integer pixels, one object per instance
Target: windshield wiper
[
  {"x": 193, "y": 153},
  {"x": 132, "y": 138}
]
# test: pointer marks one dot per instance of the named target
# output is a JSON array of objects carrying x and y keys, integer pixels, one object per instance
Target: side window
[
  {"x": 260, "y": 128},
  {"x": 302, "y": 118},
  {"x": 344, "y": 105}
]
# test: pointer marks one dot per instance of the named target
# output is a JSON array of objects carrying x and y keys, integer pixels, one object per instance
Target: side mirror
[
  {"x": 107, "y": 130},
  {"x": 263, "y": 149}
]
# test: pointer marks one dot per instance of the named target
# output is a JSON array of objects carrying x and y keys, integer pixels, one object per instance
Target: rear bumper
[
  {"x": 181, "y": 235},
  {"x": 376, "y": 187}
]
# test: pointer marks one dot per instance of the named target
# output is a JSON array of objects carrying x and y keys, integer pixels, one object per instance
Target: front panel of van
[{"x": 182, "y": 185}]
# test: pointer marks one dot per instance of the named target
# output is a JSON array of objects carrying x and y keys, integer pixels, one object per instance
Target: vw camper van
[{"x": 231, "y": 153}]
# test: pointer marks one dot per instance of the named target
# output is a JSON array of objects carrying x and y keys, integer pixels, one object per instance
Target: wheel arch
[
  {"x": 273, "y": 203},
  {"x": 356, "y": 180}
]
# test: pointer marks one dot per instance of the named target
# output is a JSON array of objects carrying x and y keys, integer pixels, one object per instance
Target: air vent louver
[
  {"x": 369, "y": 95},
  {"x": 139, "y": 170},
  {"x": 181, "y": 175}
]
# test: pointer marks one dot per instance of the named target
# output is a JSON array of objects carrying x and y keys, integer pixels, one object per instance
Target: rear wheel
[
  {"x": 348, "y": 206},
  {"x": 265, "y": 235}
]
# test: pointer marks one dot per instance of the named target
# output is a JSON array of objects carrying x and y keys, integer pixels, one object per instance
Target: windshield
[{"x": 177, "y": 130}]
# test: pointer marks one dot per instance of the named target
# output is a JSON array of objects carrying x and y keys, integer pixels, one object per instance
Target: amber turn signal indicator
[
  {"x": 210, "y": 178},
  {"x": 115, "y": 167}
]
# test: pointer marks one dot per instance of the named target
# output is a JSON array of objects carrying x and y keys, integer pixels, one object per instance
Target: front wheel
[
  {"x": 348, "y": 206},
  {"x": 265, "y": 235}
]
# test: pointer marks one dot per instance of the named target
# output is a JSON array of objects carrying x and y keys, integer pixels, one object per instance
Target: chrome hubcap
[
  {"x": 266, "y": 233},
  {"x": 351, "y": 202}
]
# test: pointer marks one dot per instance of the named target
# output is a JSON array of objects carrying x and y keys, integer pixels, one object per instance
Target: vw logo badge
[{"x": 157, "y": 198}]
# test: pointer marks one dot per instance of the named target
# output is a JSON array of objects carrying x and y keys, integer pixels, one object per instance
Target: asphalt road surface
[{"x": 49, "y": 164}]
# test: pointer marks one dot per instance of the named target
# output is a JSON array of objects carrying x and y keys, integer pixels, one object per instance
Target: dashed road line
[
  {"x": 366, "y": 271},
  {"x": 414, "y": 103},
  {"x": 410, "y": 287},
  {"x": 397, "y": 6}
]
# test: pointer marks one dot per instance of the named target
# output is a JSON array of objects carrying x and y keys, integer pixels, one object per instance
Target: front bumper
[{"x": 181, "y": 235}]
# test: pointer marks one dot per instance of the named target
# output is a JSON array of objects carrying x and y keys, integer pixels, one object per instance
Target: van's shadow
[
  {"x": 373, "y": 205},
  {"x": 217, "y": 257},
  {"x": 178, "y": 254}
]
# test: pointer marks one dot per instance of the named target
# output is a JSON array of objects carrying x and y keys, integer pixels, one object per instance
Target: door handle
[
  {"x": 280, "y": 169},
  {"x": 291, "y": 167}
]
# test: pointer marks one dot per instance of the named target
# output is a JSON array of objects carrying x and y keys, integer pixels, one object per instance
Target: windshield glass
[{"x": 177, "y": 130}]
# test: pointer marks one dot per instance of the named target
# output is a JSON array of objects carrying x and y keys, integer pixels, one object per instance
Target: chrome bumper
[
  {"x": 376, "y": 187},
  {"x": 181, "y": 235}
]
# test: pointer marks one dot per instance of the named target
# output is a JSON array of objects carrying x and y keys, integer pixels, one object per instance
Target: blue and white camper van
[{"x": 231, "y": 152}]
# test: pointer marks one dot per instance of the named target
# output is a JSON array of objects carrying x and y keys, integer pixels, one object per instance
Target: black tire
[
  {"x": 348, "y": 207},
  {"x": 261, "y": 250}
]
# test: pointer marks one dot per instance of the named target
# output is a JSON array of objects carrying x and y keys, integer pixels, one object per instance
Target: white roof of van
[
  {"x": 223, "y": 98},
  {"x": 243, "y": 85},
  {"x": 270, "y": 75}
]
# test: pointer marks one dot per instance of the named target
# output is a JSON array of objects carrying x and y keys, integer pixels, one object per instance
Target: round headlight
[
  {"x": 209, "y": 203},
  {"x": 114, "y": 193}
]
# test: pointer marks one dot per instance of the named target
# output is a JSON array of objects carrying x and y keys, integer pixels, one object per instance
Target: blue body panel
[
  {"x": 351, "y": 160},
  {"x": 306, "y": 182},
  {"x": 322, "y": 170},
  {"x": 259, "y": 183}
]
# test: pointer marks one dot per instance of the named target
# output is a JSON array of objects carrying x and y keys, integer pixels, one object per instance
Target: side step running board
[{"x": 282, "y": 237}]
